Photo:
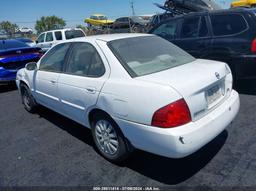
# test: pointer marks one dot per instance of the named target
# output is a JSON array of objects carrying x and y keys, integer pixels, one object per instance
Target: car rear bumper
[{"x": 185, "y": 140}]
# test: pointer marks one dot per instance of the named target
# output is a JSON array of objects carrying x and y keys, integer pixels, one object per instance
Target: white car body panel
[{"x": 131, "y": 102}]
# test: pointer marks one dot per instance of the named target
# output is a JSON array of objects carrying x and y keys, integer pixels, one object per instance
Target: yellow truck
[{"x": 243, "y": 3}]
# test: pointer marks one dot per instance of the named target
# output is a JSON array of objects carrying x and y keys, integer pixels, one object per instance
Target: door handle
[
  {"x": 53, "y": 82},
  {"x": 91, "y": 90}
]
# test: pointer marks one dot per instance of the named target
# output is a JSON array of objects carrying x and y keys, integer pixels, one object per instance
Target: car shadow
[
  {"x": 75, "y": 129},
  {"x": 175, "y": 171},
  {"x": 8, "y": 88},
  {"x": 165, "y": 170}
]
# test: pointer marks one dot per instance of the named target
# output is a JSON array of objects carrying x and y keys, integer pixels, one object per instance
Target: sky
[{"x": 26, "y": 12}]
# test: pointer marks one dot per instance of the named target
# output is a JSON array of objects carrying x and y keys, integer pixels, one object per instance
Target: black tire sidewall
[{"x": 32, "y": 104}]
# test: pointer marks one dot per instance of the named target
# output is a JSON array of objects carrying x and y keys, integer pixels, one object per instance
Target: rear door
[
  {"x": 49, "y": 40},
  {"x": 46, "y": 77},
  {"x": 194, "y": 36},
  {"x": 80, "y": 85}
]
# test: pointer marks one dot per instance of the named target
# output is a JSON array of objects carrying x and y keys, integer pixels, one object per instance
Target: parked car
[
  {"x": 27, "y": 41},
  {"x": 25, "y": 30},
  {"x": 49, "y": 38},
  {"x": 13, "y": 56},
  {"x": 129, "y": 22},
  {"x": 226, "y": 35},
  {"x": 133, "y": 91}
]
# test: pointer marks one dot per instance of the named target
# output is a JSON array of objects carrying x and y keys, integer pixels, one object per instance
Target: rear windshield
[
  {"x": 74, "y": 34},
  {"x": 24, "y": 40},
  {"x": 146, "y": 55},
  {"x": 11, "y": 44}
]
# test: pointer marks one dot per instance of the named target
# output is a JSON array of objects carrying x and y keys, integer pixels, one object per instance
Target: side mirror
[{"x": 31, "y": 66}]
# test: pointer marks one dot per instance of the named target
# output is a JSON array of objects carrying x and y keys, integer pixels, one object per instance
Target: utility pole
[{"x": 132, "y": 7}]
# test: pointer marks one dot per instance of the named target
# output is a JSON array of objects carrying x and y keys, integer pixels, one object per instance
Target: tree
[
  {"x": 9, "y": 28},
  {"x": 49, "y": 23},
  {"x": 84, "y": 28}
]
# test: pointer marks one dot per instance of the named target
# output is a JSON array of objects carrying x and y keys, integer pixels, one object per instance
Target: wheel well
[
  {"x": 94, "y": 112},
  {"x": 22, "y": 83}
]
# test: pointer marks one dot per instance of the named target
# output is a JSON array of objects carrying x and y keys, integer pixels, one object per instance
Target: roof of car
[
  {"x": 66, "y": 29},
  {"x": 110, "y": 37},
  {"x": 232, "y": 10}
]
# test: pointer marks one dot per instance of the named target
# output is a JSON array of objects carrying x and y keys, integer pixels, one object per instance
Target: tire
[
  {"x": 27, "y": 99},
  {"x": 109, "y": 139}
]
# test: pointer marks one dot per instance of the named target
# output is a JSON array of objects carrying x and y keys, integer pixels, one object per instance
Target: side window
[
  {"x": 41, "y": 38},
  {"x": 127, "y": 19},
  {"x": 228, "y": 24},
  {"x": 54, "y": 60},
  {"x": 73, "y": 34},
  {"x": 190, "y": 27},
  {"x": 58, "y": 35},
  {"x": 49, "y": 37},
  {"x": 120, "y": 20},
  {"x": 167, "y": 30},
  {"x": 203, "y": 30},
  {"x": 85, "y": 60}
]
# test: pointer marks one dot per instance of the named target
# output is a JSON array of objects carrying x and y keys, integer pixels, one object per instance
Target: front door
[
  {"x": 46, "y": 77},
  {"x": 80, "y": 85}
]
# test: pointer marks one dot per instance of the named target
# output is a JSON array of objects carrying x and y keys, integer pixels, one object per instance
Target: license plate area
[{"x": 214, "y": 94}]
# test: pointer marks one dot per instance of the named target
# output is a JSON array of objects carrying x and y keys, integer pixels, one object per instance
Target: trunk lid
[{"x": 201, "y": 83}]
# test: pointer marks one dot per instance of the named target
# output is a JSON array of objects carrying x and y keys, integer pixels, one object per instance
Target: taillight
[
  {"x": 253, "y": 48},
  {"x": 172, "y": 115}
]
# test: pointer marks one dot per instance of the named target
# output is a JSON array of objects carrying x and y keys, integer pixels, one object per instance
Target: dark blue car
[{"x": 14, "y": 55}]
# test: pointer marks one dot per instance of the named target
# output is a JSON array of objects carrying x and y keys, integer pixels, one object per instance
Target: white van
[{"x": 49, "y": 38}]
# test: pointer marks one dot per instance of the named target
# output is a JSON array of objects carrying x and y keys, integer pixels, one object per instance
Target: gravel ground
[{"x": 47, "y": 149}]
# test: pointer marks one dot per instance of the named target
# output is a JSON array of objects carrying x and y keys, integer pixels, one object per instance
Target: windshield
[
  {"x": 146, "y": 55},
  {"x": 74, "y": 34}
]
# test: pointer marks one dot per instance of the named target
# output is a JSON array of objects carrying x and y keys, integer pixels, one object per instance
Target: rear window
[
  {"x": 190, "y": 27},
  {"x": 228, "y": 24},
  {"x": 146, "y": 55},
  {"x": 11, "y": 44},
  {"x": 74, "y": 34}
]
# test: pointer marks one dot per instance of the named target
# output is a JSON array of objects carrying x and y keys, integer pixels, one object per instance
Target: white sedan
[{"x": 133, "y": 91}]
